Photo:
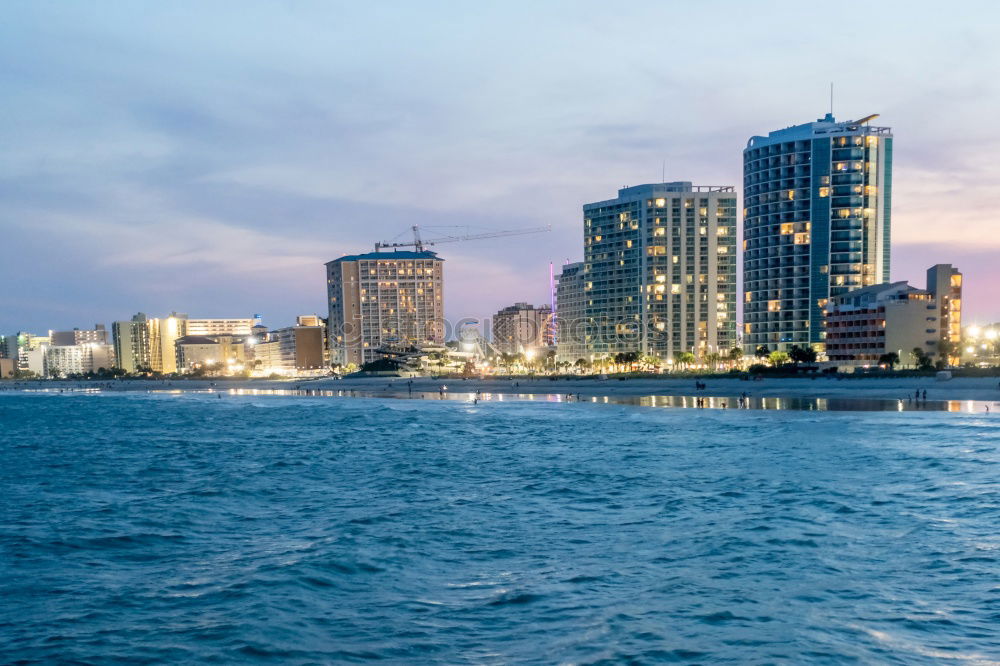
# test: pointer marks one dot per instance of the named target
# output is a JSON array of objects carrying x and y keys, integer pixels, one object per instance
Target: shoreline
[{"x": 968, "y": 394}]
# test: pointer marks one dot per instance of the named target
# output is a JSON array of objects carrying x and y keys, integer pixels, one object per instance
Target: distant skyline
[{"x": 210, "y": 158}]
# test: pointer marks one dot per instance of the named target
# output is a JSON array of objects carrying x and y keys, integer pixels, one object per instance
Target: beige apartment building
[
  {"x": 866, "y": 323},
  {"x": 292, "y": 351},
  {"x": 383, "y": 299},
  {"x": 522, "y": 327}
]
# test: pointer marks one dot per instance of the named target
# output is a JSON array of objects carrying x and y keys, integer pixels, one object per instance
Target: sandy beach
[{"x": 960, "y": 388}]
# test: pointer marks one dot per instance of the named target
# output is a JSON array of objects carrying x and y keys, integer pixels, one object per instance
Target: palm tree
[
  {"x": 685, "y": 359},
  {"x": 802, "y": 354},
  {"x": 713, "y": 358},
  {"x": 761, "y": 352},
  {"x": 735, "y": 355},
  {"x": 650, "y": 361},
  {"x": 890, "y": 359},
  {"x": 778, "y": 358}
]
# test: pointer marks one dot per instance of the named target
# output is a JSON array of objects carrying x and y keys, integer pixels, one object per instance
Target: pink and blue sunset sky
[{"x": 210, "y": 157}]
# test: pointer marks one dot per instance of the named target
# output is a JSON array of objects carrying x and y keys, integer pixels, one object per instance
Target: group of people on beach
[{"x": 743, "y": 401}]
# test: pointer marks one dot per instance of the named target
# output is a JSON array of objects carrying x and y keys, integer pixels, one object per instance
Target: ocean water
[{"x": 188, "y": 528}]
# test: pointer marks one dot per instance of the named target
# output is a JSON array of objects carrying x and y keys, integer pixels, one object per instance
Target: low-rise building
[
  {"x": 294, "y": 350},
  {"x": 865, "y": 324},
  {"x": 7, "y": 368},
  {"x": 222, "y": 354}
]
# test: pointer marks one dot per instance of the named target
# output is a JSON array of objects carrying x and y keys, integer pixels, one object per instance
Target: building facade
[
  {"x": 660, "y": 270},
  {"x": 945, "y": 282},
  {"x": 383, "y": 299},
  {"x": 292, "y": 351},
  {"x": 523, "y": 327},
  {"x": 131, "y": 342},
  {"x": 571, "y": 314},
  {"x": 163, "y": 335},
  {"x": 222, "y": 354},
  {"x": 219, "y": 326},
  {"x": 816, "y": 225},
  {"x": 864, "y": 324},
  {"x": 63, "y": 360},
  {"x": 97, "y": 335}
]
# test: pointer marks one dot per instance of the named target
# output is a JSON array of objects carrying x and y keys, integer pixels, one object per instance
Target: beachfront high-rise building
[
  {"x": 523, "y": 328},
  {"x": 383, "y": 299},
  {"x": 660, "y": 270},
  {"x": 163, "y": 335},
  {"x": 816, "y": 225},
  {"x": 571, "y": 314},
  {"x": 131, "y": 340},
  {"x": 211, "y": 327},
  {"x": 97, "y": 335}
]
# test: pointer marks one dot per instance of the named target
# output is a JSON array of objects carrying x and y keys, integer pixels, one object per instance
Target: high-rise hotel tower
[
  {"x": 660, "y": 271},
  {"x": 383, "y": 299},
  {"x": 816, "y": 225}
]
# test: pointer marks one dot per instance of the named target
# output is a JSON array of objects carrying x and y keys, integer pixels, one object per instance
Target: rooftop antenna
[
  {"x": 663, "y": 173},
  {"x": 831, "y": 98}
]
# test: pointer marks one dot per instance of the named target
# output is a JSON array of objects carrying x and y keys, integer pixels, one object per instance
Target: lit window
[
  {"x": 824, "y": 191},
  {"x": 660, "y": 203},
  {"x": 773, "y": 306}
]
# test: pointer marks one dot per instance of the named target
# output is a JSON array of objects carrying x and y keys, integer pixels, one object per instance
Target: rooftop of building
[
  {"x": 648, "y": 190},
  {"x": 876, "y": 292},
  {"x": 824, "y": 126},
  {"x": 196, "y": 340},
  {"x": 524, "y": 306},
  {"x": 388, "y": 256}
]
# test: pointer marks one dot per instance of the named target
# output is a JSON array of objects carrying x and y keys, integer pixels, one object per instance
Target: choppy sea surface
[{"x": 188, "y": 528}]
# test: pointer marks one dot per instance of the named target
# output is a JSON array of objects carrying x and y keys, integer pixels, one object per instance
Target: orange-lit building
[{"x": 864, "y": 324}]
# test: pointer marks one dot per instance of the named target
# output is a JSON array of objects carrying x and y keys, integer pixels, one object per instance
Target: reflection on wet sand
[{"x": 745, "y": 401}]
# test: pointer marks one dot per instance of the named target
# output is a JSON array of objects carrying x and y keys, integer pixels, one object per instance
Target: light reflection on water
[{"x": 799, "y": 403}]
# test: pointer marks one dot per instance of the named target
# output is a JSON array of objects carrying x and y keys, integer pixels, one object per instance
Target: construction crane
[{"x": 418, "y": 243}]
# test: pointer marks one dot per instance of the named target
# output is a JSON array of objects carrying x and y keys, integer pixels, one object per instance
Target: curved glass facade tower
[{"x": 815, "y": 224}]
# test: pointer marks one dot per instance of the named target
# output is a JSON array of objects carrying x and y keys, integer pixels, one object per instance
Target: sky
[{"x": 210, "y": 157}]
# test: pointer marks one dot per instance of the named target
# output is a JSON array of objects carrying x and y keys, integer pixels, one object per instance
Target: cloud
[{"x": 191, "y": 157}]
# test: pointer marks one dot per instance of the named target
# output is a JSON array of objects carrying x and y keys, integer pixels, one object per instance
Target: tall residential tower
[
  {"x": 816, "y": 225},
  {"x": 383, "y": 299},
  {"x": 660, "y": 270}
]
